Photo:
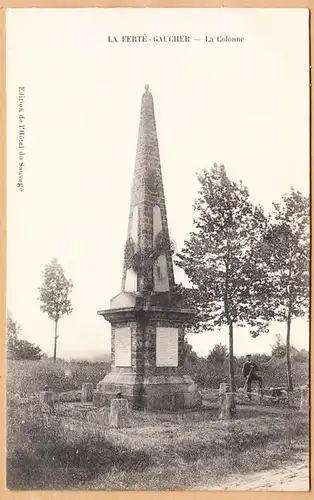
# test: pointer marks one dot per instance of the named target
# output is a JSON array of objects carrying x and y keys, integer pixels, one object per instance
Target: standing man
[{"x": 249, "y": 372}]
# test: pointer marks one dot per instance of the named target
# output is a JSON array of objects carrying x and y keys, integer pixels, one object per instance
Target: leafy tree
[
  {"x": 54, "y": 295},
  {"x": 13, "y": 330},
  {"x": 190, "y": 357},
  {"x": 218, "y": 354},
  {"x": 301, "y": 356},
  {"x": 287, "y": 251},
  {"x": 27, "y": 350},
  {"x": 19, "y": 348},
  {"x": 278, "y": 348},
  {"x": 222, "y": 261}
]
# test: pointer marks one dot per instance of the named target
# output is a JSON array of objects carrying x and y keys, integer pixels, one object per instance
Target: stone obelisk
[{"x": 147, "y": 318}]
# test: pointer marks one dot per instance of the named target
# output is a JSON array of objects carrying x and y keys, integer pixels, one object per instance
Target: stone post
[
  {"x": 87, "y": 392},
  {"x": 100, "y": 399},
  {"x": 305, "y": 399},
  {"x": 46, "y": 398},
  {"x": 227, "y": 403},
  {"x": 118, "y": 413}
]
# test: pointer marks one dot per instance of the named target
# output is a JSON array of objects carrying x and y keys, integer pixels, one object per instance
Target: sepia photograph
[{"x": 158, "y": 249}]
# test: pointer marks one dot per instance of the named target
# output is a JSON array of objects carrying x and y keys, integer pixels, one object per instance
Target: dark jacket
[{"x": 248, "y": 365}]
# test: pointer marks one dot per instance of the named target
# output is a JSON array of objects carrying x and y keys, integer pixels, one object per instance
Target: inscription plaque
[
  {"x": 166, "y": 346},
  {"x": 122, "y": 346}
]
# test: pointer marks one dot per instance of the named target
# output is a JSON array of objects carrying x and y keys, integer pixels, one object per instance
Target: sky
[{"x": 243, "y": 104}]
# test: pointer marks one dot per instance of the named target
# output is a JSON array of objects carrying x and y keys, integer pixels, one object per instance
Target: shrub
[{"x": 209, "y": 374}]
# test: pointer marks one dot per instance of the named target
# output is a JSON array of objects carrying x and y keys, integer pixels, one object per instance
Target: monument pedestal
[
  {"x": 148, "y": 354},
  {"x": 159, "y": 392}
]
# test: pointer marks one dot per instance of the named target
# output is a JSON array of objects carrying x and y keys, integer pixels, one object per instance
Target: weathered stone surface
[
  {"x": 68, "y": 396},
  {"x": 227, "y": 402},
  {"x": 47, "y": 398},
  {"x": 100, "y": 398},
  {"x": 153, "y": 392},
  {"x": 118, "y": 413},
  {"x": 87, "y": 392},
  {"x": 148, "y": 306},
  {"x": 305, "y": 399}
]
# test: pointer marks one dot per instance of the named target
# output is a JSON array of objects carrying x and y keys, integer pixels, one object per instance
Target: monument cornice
[{"x": 152, "y": 313}]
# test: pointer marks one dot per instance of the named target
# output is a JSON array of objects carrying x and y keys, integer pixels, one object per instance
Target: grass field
[
  {"x": 27, "y": 377},
  {"x": 75, "y": 448}
]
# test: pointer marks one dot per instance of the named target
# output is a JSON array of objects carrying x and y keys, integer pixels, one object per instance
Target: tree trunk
[
  {"x": 55, "y": 342},
  {"x": 289, "y": 376},
  {"x": 231, "y": 366}
]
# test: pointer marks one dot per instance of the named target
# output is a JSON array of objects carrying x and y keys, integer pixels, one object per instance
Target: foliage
[
  {"x": 54, "y": 295},
  {"x": 301, "y": 356},
  {"x": 286, "y": 251},
  {"x": 190, "y": 357},
  {"x": 54, "y": 292},
  {"x": 278, "y": 348},
  {"x": 287, "y": 248},
  {"x": 218, "y": 354},
  {"x": 221, "y": 258},
  {"x": 26, "y": 350},
  {"x": 18, "y": 348},
  {"x": 209, "y": 373},
  {"x": 13, "y": 329}
]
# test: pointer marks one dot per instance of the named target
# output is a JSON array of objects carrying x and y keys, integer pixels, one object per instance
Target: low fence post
[
  {"x": 227, "y": 402},
  {"x": 87, "y": 392},
  {"x": 119, "y": 410},
  {"x": 305, "y": 399},
  {"x": 46, "y": 398}
]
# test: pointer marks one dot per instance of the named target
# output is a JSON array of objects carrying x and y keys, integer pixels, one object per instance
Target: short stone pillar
[
  {"x": 100, "y": 399},
  {"x": 87, "y": 392},
  {"x": 46, "y": 398},
  {"x": 119, "y": 410},
  {"x": 305, "y": 399},
  {"x": 227, "y": 403}
]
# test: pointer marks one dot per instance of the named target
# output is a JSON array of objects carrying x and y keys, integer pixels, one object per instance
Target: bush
[
  {"x": 209, "y": 374},
  {"x": 18, "y": 348}
]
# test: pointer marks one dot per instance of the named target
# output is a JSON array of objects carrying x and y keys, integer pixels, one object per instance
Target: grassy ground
[
  {"x": 27, "y": 377},
  {"x": 73, "y": 448},
  {"x": 76, "y": 449}
]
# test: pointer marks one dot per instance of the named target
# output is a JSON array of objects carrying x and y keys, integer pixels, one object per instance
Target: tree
[
  {"x": 301, "y": 356},
  {"x": 13, "y": 330},
  {"x": 19, "y": 348},
  {"x": 222, "y": 261},
  {"x": 218, "y": 354},
  {"x": 278, "y": 348},
  {"x": 190, "y": 357},
  {"x": 54, "y": 295},
  {"x": 287, "y": 251}
]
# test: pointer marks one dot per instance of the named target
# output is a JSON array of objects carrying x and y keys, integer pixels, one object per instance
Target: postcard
[{"x": 158, "y": 249}]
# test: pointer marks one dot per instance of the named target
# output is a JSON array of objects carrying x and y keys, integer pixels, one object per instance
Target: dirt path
[{"x": 293, "y": 477}]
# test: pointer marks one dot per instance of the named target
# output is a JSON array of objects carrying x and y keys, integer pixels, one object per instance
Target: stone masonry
[{"x": 147, "y": 318}]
